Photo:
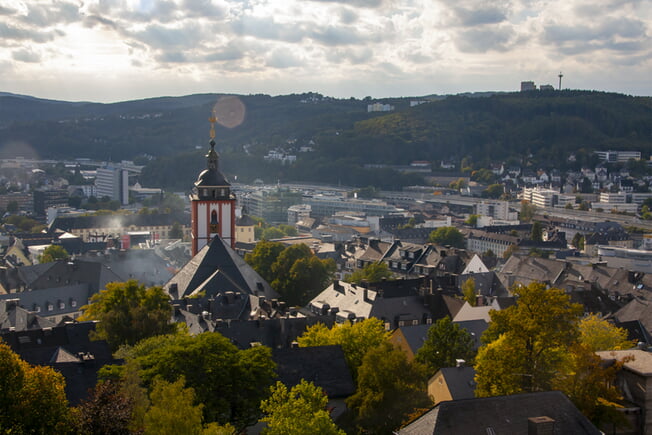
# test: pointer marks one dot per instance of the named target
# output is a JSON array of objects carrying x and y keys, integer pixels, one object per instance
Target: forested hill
[{"x": 537, "y": 128}]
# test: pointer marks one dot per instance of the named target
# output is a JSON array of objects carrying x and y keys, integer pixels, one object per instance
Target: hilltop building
[{"x": 212, "y": 203}]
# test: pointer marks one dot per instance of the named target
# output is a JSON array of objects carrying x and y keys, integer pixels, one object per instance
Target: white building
[{"x": 113, "y": 181}]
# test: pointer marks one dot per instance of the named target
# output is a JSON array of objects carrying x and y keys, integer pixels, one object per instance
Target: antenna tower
[{"x": 560, "y": 76}]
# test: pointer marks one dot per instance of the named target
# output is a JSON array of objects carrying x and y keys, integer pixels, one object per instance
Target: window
[
  {"x": 62, "y": 305},
  {"x": 50, "y": 306}
]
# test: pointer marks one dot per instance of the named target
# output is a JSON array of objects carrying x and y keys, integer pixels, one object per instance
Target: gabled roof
[
  {"x": 324, "y": 366},
  {"x": 636, "y": 309},
  {"x": 459, "y": 381},
  {"x": 468, "y": 312},
  {"x": 217, "y": 269},
  {"x": 501, "y": 415}
]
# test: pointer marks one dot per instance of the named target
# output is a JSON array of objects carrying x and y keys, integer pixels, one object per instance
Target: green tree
[
  {"x": 263, "y": 256},
  {"x": 176, "y": 232},
  {"x": 598, "y": 334},
  {"x": 173, "y": 410},
  {"x": 445, "y": 343},
  {"x": 288, "y": 230},
  {"x": 32, "y": 399},
  {"x": 171, "y": 203},
  {"x": 472, "y": 220},
  {"x": 591, "y": 386},
  {"x": 374, "y": 272},
  {"x": 301, "y": 410},
  {"x": 272, "y": 233},
  {"x": 527, "y": 342},
  {"x": 537, "y": 232},
  {"x": 447, "y": 236},
  {"x": 458, "y": 184},
  {"x": 494, "y": 191},
  {"x": 527, "y": 211},
  {"x": 468, "y": 291},
  {"x": 299, "y": 275},
  {"x": 128, "y": 312},
  {"x": 356, "y": 339},
  {"x": 229, "y": 382},
  {"x": 389, "y": 390},
  {"x": 53, "y": 253}
]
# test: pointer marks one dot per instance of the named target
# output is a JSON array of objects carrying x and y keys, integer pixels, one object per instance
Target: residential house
[
  {"x": 452, "y": 383},
  {"x": 549, "y": 412}
]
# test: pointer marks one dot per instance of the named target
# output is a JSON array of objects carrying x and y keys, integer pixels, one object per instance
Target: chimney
[
  {"x": 540, "y": 426},
  {"x": 459, "y": 363}
]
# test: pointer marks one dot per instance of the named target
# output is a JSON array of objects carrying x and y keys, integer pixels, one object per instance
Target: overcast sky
[{"x": 114, "y": 50}]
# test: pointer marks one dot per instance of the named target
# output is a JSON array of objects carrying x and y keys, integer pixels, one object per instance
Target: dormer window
[{"x": 50, "y": 306}]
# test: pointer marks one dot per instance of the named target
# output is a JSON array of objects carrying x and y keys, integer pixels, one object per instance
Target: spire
[{"x": 212, "y": 156}]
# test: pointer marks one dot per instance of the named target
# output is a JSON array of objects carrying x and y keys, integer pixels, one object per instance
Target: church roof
[{"x": 217, "y": 269}]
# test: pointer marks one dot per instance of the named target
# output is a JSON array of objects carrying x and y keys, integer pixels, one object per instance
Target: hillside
[{"x": 537, "y": 128}]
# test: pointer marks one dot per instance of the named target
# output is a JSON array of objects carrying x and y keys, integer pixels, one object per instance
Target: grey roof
[
  {"x": 68, "y": 349},
  {"x": 143, "y": 265},
  {"x": 460, "y": 381},
  {"x": 217, "y": 269},
  {"x": 324, "y": 366},
  {"x": 14, "y": 317},
  {"x": 117, "y": 221},
  {"x": 415, "y": 335},
  {"x": 53, "y": 301},
  {"x": 501, "y": 415}
]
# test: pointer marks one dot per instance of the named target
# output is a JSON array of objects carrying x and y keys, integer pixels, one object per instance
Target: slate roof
[
  {"x": 324, "y": 366},
  {"x": 501, "y": 415},
  {"x": 468, "y": 312},
  {"x": 68, "y": 350},
  {"x": 415, "y": 335},
  {"x": 530, "y": 269},
  {"x": 14, "y": 317},
  {"x": 460, "y": 381},
  {"x": 215, "y": 270},
  {"x": 117, "y": 221},
  {"x": 143, "y": 265},
  {"x": 636, "y": 309}
]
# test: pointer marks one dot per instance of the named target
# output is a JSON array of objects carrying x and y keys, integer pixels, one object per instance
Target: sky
[{"x": 116, "y": 50}]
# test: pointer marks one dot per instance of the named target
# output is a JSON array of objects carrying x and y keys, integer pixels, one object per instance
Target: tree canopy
[
  {"x": 32, "y": 398},
  {"x": 445, "y": 343},
  {"x": 527, "y": 342},
  {"x": 389, "y": 390},
  {"x": 356, "y": 339},
  {"x": 598, "y": 334},
  {"x": 230, "y": 383},
  {"x": 300, "y": 410},
  {"x": 53, "y": 253},
  {"x": 295, "y": 272},
  {"x": 447, "y": 236},
  {"x": 128, "y": 312},
  {"x": 373, "y": 272}
]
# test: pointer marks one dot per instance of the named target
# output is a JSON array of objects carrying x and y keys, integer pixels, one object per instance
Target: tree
[
  {"x": 537, "y": 232},
  {"x": 458, "y": 184},
  {"x": 445, "y": 343},
  {"x": 598, "y": 334},
  {"x": 591, "y": 386},
  {"x": 447, "y": 236},
  {"x": 106, "y": 411},
  {"x": 263, "y": 256},
  {"x": 299, "y": 410},
  {"x": 527, "y": 342},
  {"x": 527, "y": 211},
  {"x": 511, "y": 249},
  {"x": 494, "y": 191},
  {"x": 578, "y": 241},
  {"x": 32, "y": 398},
  {"x": 176, "y": 232},
  {"x": 389, "y": 389},
  {"x": 468, "y": 291},
  {"x": 373, "y": 272},
  {"x": 472, "y": 220},
  {"x": 128, "y": 312},
  {"x": 172, "y": 410},
  {"x": 229, "y": 382},
  {"x": 299, "y": 275},
  {"x": 272, "y": 233},
  {"x": 53, "y": 253},
  {"x": 356, "y": 339}
]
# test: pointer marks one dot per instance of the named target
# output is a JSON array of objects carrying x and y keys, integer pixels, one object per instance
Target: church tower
[{"x": 212, "y": 203}]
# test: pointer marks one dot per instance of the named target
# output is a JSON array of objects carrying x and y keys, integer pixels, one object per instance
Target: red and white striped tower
[{"x": 212, "y": 203}]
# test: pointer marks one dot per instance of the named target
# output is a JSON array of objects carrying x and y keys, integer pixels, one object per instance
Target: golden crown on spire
[{"x": 213, "y": 120}]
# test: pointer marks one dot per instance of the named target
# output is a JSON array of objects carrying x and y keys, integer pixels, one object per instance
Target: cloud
[
  {"x": 267, "y": 28},
  {"x": 355, "y": 3},
  {"x": 50, "y": 15},
  {"x": 475, "y": 17},
  {"x": 22, "y": 34},
  {"x": 332, "y": 36},
  {"x": 484, "y": 39},
  {"x": 26, "y": 55},
  {"x": 283, "y": 59},
  {"x": 162, "y": 37}
]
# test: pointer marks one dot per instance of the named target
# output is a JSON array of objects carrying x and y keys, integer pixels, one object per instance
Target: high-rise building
[
  {"x": 212, "y": 204},
  {"x": 113, "y": 181}
]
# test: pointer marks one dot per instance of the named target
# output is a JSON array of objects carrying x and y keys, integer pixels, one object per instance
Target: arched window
[{"x": 214, "y": 217}]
